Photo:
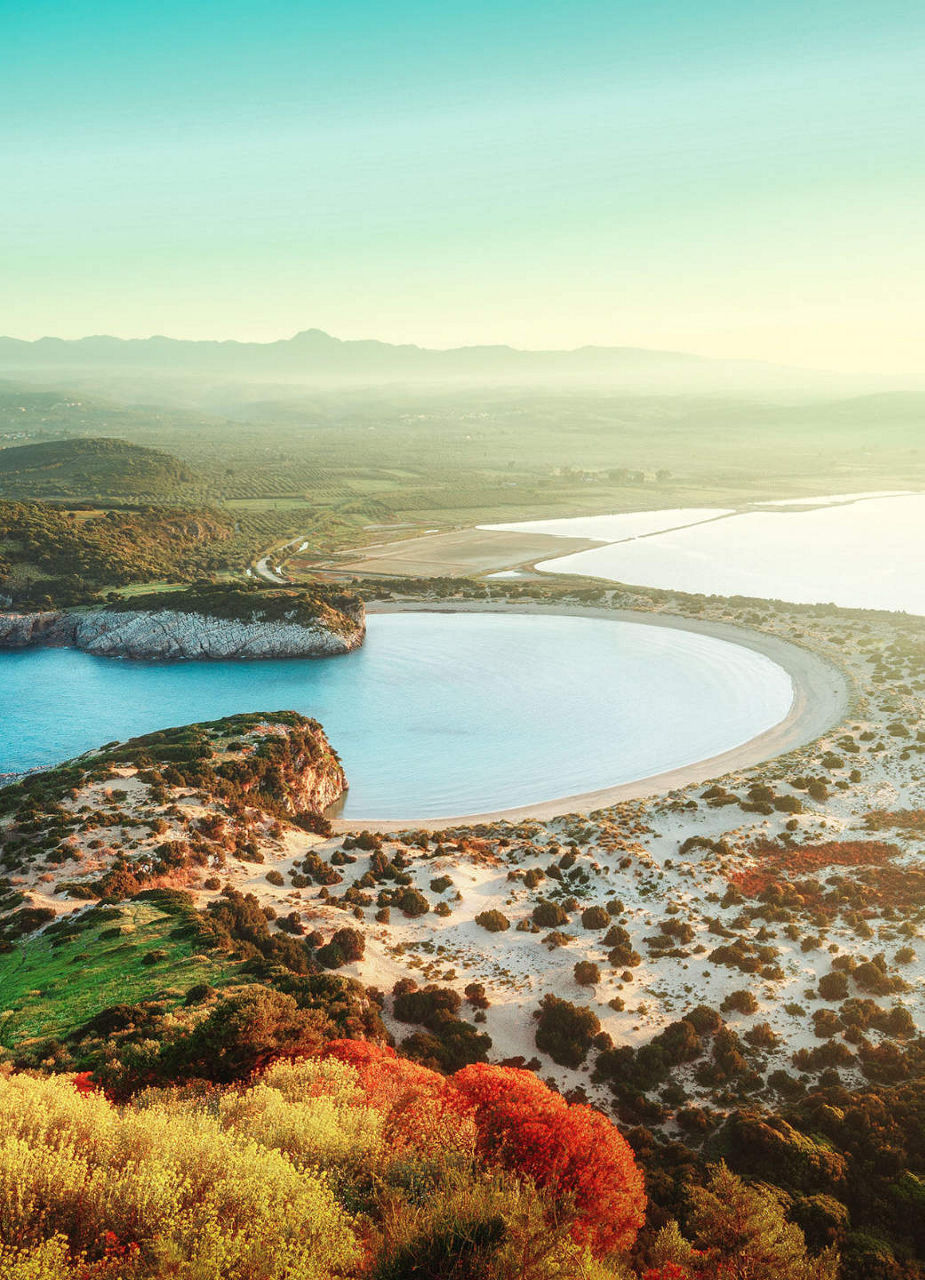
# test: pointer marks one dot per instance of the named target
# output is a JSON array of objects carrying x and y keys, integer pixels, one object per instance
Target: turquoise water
[{"x": 438, "y": 714}]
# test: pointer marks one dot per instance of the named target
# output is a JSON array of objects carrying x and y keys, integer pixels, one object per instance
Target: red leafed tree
[
  {"x": 572, "y": 1150},
  {"x": 422, "y": 1109}
]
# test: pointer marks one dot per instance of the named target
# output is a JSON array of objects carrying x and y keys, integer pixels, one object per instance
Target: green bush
[{"x": 565, "y": 1031}]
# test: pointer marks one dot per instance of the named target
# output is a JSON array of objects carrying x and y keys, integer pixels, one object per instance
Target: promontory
[{"x": 205, "y": 621}]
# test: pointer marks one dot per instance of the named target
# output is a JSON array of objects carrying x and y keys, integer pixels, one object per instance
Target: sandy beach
[{"x": 821, "y": 698}]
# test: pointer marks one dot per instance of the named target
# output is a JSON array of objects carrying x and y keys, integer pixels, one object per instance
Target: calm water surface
[
  {"x": 863, "y": 554},
  {"x": 438, "y": 714}
]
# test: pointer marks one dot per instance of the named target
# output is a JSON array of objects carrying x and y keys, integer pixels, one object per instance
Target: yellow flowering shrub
[
  {"x": 47, "y": 1261},
  {"x": 200, "y": 1197}
]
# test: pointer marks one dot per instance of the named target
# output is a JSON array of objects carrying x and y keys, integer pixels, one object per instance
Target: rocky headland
[{"x": 204, "y": 623}]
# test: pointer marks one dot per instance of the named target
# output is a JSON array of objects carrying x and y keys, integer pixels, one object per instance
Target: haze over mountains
[{"x": 317, "y": 357}]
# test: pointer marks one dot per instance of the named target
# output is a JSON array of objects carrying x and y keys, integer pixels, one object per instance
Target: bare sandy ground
[
  {"x": 459, "y": 553},
  {"x": 821, "y": 698}
]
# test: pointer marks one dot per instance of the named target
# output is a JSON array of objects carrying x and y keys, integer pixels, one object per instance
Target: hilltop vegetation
[
  {"x": 51, "y": 556},
  {"x": 90, "y": 468}
]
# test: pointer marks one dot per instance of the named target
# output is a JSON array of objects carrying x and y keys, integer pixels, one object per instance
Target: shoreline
[{"x": 821, "y": 698}]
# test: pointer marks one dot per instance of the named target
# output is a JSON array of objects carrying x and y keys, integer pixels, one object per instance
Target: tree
[{"x": 744, "y": 1234}]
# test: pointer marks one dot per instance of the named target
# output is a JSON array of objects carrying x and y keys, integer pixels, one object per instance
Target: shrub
[
  {"x": 761, "y": 1036},
  {"x": 548, "y": 915},
  {"x": 274, "y": 877},
  {"x": 595, "y": 918},
  {"x": 426, "y": 1005},
  {"x": 704, "y": 1020},
  {"x": 832, "y": 1053},
  {"x": 826, "y": 1023},
  {"x": 739, "y": 1002},
  {"x": 174, "y": 1179},
  {"x": 565, "y": 1031},
  {"x": 571, "y": 1150},
  {"x": 475, "y": 995},
  {"x": 587, "y": 974},
  {"x": 241, "y": 1033},
  {"x": 621, "y": 952},
  {"x": 411, "y": 902},
  {"x": 871, "y": 976},
  {"x": 493, "y": 921},
  {"x": 834, "y": 985},
  {"x": 788, "y": 804},
  {"x": 345, "y": 947}
]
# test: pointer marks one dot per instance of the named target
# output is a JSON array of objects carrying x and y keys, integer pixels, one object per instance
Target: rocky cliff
[
  {"x": 173, "y": 634},
  {"x": 279, "y": 762}
]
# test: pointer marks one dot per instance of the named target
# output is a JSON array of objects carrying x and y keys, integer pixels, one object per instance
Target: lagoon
[
  {"x": 437, "y": 714},
  {"x": 861, "y": 553}
]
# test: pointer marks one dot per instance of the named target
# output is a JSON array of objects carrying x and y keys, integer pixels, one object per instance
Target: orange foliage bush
[
  {"x": 798, "y": 860},
  {"x": 422, "y": 1110},
  {"x": 519, "y": 1123},
  {"x": 572, "y": 1150}
]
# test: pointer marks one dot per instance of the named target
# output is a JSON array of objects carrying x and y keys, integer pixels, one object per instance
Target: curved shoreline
[{"x": 821, "y": 698}]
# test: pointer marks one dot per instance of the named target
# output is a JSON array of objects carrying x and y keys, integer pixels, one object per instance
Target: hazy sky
[{"x": 722, "y": 176}]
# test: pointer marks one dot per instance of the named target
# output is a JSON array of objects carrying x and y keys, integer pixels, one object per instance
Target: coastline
[
  {"x": 821, "y": 698},
  {"x": 171, "y": 635}
]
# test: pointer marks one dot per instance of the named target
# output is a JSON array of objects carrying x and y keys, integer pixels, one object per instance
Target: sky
[{"x": 716, "y": 176}]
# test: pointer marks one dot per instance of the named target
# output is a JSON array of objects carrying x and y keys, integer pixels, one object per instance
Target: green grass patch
[{"x": 47, "y": 990}]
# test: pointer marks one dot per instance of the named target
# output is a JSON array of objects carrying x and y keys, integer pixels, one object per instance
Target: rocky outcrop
[
  {"x": 312, "y": 777},
  {"x": 172, "y": 634},
  {"x": 20, "y": 630}
]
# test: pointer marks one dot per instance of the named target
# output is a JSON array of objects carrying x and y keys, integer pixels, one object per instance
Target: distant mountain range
[{"x": 315, "y": 356}]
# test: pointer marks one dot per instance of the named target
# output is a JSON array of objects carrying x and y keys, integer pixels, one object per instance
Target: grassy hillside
[
  {"x": 59, "y": 979},
  {"x": 90, "y": 468}
]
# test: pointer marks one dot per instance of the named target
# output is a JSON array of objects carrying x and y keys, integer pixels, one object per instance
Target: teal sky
[{"x": 716, "y": 176}]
